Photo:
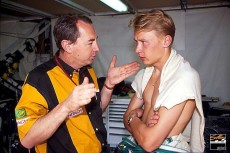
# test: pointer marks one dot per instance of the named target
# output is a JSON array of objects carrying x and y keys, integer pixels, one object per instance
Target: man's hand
[
  {"x": 117, "y": 74},
  {"x": 153, "y": 119},
  {"x": 81, "y": 95}
]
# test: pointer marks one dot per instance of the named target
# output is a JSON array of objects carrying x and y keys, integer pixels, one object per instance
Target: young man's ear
[
  {"x": 66, "y": 45},
  {"x": 167, "y": 41}
]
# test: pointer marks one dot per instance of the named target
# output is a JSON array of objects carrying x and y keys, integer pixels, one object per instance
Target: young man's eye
[{"x": 144, "y": 42}]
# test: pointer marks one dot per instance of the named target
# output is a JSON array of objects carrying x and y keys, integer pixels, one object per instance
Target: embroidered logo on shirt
[
  {"x": 20, "y": 113},
  {"x": 22, "y": 121},
  {"x": 75, "y": 113}
]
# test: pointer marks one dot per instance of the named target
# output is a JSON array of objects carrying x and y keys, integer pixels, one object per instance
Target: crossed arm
[{"x": 151, "y": 137}]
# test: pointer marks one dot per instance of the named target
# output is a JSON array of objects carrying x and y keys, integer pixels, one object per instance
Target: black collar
[{"x": 67, "y": 68}]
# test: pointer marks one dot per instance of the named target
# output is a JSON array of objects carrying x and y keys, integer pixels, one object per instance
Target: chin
[
  {"x": 90, "y": 62},
  {"x": 146, "y": 63}
]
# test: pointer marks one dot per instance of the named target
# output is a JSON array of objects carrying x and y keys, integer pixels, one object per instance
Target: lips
[
  {"x": 142, "y": 58},
  {"x": 93, "y": 57}
]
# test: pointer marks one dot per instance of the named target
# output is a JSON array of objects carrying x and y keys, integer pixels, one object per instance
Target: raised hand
[
  {"x": 81, "y": 95},
  {"x": 117, "y": 74}
]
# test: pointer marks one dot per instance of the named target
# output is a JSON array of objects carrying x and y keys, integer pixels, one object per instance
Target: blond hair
[{"x": 156, "y": 20}]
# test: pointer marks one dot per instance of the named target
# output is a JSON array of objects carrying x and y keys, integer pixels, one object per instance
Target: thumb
[
  {"x": 85, "y": 81},
  {"x": 113, "y": 62}
]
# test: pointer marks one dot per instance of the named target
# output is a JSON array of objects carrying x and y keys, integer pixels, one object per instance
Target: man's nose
[
  {"x": 96, "y": 47},
  {"x": 138, "y": 49}
]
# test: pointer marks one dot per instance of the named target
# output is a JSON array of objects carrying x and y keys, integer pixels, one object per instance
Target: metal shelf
[{"x": 113, "y": 120}]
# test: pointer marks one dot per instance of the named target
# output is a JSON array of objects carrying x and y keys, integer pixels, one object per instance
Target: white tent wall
[
  {"x": 208, "y": 49},
  {"x": 116, "y": 38},
  {"x": 201, "y": 37},
  {"x": 12, "y": 36}
]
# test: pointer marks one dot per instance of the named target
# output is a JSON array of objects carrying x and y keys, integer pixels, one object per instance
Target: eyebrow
[
  {"x": 140, "y": 40},
  {"x": 93, "y": 39}
]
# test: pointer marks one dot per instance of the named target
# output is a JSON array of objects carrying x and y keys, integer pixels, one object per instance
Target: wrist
[
  {"x": 130, "y": 118},
  {"x": 108, "y": 85}
]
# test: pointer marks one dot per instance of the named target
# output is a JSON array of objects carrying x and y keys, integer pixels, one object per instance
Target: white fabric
[
  {"x": 27, "y": 63},
  {"x": 176, "y": 143},
  {"x": 178, "y": 82}
]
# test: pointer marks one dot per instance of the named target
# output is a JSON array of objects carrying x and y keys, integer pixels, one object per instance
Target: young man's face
[
  {"x": 149, "y": 46},
  {"x": 86, "y": 47}
]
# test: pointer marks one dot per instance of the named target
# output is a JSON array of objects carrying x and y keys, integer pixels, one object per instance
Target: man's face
[
  {"x": 149, "y": 47},
  {"x": 86, "y": 47}
]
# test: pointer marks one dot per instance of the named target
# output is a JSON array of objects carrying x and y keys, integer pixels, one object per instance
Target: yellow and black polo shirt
[{"x": 45, "y": 87}]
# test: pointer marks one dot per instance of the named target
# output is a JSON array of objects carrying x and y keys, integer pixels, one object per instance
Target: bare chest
[
  {"x": 150, "y": 95},
  {"x": 151, "y": 91}
]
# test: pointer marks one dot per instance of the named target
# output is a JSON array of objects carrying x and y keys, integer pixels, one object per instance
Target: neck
[
  {"x": 67, "y": 58},
  {"x": 155, "y": 76},
  {"x": 160, "y": 64}
]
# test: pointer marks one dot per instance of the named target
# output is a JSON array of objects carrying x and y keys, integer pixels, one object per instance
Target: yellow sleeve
[{"x": 31, "y": 106}]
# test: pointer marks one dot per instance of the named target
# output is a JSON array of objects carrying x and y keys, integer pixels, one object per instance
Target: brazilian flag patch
[{"x": 20, "y": 113}]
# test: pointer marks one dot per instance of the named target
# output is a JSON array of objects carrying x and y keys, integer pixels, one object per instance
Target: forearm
[
  {"x": 45, "y": 126},
  {"x": 148, "y": 140},
  {"x": 135, "y": 107},
  {"x": 125, "y": 121},
  {"x": 106, "y": 94},
  {"x": 137, "y": 127},
  {"x": 145, "y": 136}
]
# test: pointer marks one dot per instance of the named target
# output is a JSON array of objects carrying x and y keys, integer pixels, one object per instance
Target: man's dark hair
[{"x": 66, "y": 28}]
